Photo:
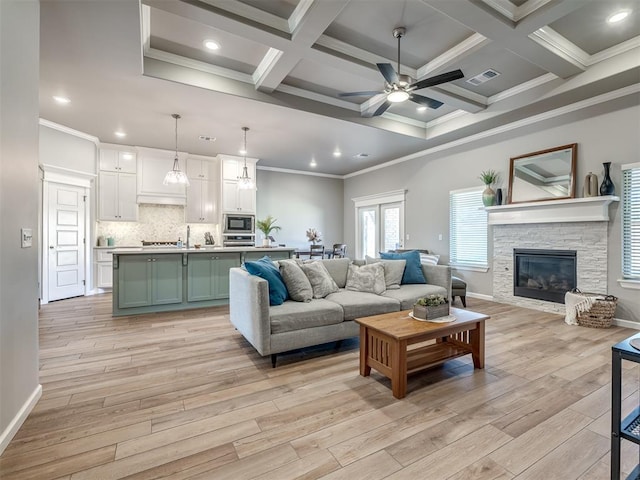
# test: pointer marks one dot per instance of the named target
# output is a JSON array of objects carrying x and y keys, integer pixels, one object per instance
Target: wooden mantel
[{"x": 590, "y": 209}]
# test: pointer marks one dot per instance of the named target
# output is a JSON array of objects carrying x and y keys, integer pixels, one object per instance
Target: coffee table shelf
[{"x": 432, "y": 355}]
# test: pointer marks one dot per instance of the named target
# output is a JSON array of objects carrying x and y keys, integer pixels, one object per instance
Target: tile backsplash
[{"x": 156, "y": 223}]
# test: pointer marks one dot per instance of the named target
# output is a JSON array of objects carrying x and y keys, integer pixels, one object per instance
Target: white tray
[{"x": 447, "y": 319}]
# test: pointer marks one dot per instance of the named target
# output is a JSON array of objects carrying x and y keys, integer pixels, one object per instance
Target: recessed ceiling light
[
  {"x": 127, "y": 156},
  {"x": 337, "y": 153},
  {"x": 313, "y": 163},
  {"x": 120, "y": 134},
  {"x": 618, "y": 16},
  {"x": 61, "y": 100},
  {"x": 242, "y": 151},
  {"x": 421, "y": 108},
  {"x": 211, "y": 45}
]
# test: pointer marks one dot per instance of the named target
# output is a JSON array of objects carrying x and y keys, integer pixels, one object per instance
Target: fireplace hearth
[{"x": 544, "y": 274}]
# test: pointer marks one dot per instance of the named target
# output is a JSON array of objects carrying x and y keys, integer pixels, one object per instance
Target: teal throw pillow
[
  {"x": 412, "y": 270},
  {"x": 264, "y": 268}
]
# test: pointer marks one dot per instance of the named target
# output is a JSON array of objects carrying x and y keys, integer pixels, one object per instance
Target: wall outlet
[{"x": 26, "y": 235}]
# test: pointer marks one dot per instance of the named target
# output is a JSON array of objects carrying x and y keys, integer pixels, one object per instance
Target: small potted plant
[
  {"x": 431, "y": 307},
  {"x": 489, "y": 177},
  {"x": 267, "y": 226}
]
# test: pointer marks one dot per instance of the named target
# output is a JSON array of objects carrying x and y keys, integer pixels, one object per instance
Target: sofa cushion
[
  {"x": 337, "y": 268},
  {"x": 296, "y": 281},
  {"x": 291, "y": 316},
  {"x": 393, "y": 271},
  {"x": 429, "y": 259},
  {"x": 320, "y": 280},
  {"x": 367, "y": 278},
  {"x": 408, "y": 294},
  {"x": 265, "y": 268},
  {"x": 412, "y": 270},
  {"x": 361, "y": 304}
]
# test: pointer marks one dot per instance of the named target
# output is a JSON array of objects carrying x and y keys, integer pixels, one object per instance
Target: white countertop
[{"x": 203, "y": 249}]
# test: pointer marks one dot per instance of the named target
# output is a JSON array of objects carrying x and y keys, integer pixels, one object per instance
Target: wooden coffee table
[{"x": 384, "y": 340}]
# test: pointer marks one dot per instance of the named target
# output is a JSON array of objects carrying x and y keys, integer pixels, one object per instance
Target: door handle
[{"x": 51, "y": 247}]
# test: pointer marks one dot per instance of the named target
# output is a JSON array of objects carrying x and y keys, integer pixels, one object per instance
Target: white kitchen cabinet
[
  {"x": 153, "y": 165},
  {"x": 117, "y": 197},
  {"x": 113, "y": 160},
  {"x": 235, "y": 199},
  {"x": 203, "y": 194},
  {"x": 103, "y": 268}
]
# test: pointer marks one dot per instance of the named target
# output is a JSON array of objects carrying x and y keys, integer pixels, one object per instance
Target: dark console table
[{"x": 629, "y": 428}]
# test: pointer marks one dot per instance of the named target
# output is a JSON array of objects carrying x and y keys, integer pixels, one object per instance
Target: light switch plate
[{"x": 26, "y": 234}]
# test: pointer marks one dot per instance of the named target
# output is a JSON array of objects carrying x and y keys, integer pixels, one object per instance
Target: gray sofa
[{"x": 292, "y": 325}]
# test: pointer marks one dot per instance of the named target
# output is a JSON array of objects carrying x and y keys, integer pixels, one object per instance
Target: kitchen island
[{"x": 161, "y": 279}]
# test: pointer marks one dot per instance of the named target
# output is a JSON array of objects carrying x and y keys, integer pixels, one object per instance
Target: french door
[{"x": 380, "y": 228}]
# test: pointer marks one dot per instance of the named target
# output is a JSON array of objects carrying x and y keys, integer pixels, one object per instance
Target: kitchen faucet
[{"x": 188, "y": 236}]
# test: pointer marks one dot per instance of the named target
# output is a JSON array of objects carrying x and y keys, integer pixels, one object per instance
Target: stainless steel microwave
[{"x": 239, "y": 224}]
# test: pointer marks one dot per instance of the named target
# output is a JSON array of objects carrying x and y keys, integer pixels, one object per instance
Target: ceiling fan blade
[
  {"x": 387, "y": 71},
  {"x": 426, "y": 101},
  {"x": 359, "y": 94},
  {"x": 382, "y": 108},
  {"x": 377, "y": 106},
  {"x": 437, "y": 80}
]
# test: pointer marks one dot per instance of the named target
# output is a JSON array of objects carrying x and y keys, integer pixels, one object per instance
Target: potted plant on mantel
[
  {"x": 267, "y": 226},
  {"x": 433, "y": 306},
  {"x": 489, "y": 177}
]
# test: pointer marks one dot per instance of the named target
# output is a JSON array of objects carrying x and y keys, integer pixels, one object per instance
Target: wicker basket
[{"x": 601, "y": 312}]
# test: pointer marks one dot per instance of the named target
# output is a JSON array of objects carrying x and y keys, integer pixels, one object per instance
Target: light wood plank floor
[{"x": 184, "y": 396}]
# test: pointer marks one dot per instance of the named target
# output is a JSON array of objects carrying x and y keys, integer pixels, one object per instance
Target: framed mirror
[{"x": 545, "y": 175}]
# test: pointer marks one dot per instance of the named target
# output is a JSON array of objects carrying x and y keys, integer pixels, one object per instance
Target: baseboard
[
  {"x": 626, "y": 323},
  {"x": 481, "y": 296},
  {"x": 18, "y": 420}
]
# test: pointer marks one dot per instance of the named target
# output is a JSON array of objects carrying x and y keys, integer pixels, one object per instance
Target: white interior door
[
  {"x": 66, "y": 263},
  {"x": 391, "y": 226},
  {"x": 368, "y": 233}
]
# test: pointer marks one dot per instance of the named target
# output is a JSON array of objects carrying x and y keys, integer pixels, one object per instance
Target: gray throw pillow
[
  {"x": 321, "y": 282},
  {"x": 367, "y": 278},
  {"x": 393, "y": 271},
  {"x": 296, "y": 281}
]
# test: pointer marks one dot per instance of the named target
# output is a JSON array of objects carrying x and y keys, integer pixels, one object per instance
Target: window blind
[
  {"x": 467, "y": 228},
  {"x": 631, "y": 221}
]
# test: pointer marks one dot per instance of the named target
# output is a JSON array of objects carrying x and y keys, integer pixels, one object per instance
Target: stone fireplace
[
  {"x": 543, "y": 274},
  {"x": 576, "y": 225}
]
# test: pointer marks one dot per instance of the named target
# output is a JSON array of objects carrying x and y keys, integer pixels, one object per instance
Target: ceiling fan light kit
[
  {"x": 399, "y": 88},
  {"x": 175, "y": 175}
]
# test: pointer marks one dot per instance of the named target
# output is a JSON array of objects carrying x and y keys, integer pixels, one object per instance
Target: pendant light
[
  {"x": 244, "y": 180},
  {"x": 175, "y": 175}
]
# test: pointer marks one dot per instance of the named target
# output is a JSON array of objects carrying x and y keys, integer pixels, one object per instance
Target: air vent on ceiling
[
  {"x": 361, "y": 155},
  {"x": 207, "y": 138},
  {"x": 483, "y": 77}
]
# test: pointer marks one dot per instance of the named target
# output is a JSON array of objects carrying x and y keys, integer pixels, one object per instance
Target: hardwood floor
[{"x": 184, "y": 396}]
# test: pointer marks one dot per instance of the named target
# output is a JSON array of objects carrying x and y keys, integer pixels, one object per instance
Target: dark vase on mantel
[
  {"x": 498, "y": 196},
  {"x": 607, "y": 187}
]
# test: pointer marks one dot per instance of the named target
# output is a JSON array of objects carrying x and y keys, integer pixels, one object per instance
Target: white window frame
[
  {"x": 482, "y": 265},
  {"x": 377, "y": 200},
  {"x": 630, "y": 239}
]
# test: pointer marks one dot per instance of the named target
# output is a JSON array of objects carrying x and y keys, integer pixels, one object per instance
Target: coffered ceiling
[{"x": 281, "y": 65}]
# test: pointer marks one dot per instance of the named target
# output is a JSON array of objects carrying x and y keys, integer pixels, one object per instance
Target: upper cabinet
[
  {"x": 117, "y": 161},
  {"x": 235, "y": 199},
  {"x": 117, "y": 185},
  {"x": 204, "y": 191},
  {"x": 153, "y": 165}
]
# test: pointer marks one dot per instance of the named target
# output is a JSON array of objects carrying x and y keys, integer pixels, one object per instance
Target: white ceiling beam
[
  {"x": 312, "y": 18},
  {"x": 482, "y": 19}
]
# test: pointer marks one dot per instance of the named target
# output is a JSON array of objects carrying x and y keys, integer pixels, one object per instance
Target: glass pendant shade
[
  {"x": 244, "y": 180},
  {"x": 398, "y": 96},
  {"x": 175, "y": 175}
]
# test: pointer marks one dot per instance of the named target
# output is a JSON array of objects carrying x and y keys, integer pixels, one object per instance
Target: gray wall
[
  {"x": 605, "y": 132},
  {"x": 300, "y": 202},
  {"x": 67, "y": 151},
  {"x": 19, "y": 73}
]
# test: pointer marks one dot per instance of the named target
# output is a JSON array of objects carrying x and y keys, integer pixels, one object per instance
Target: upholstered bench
[{"x": 459, "y": 289}]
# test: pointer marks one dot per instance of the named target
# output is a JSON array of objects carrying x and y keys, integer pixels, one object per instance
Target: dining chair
[
  {"x": 316, "y": 251},
  {"x": 339, "y": 250}
]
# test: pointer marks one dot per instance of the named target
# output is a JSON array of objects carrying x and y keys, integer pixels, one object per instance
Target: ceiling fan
[{"x": 399, "y": 88}]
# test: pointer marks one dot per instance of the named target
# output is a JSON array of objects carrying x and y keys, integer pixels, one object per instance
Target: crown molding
[{"x": 69, "y": 131}]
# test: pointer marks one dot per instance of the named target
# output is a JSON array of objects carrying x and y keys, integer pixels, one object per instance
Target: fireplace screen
[{"x": 544, "y": 274}]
